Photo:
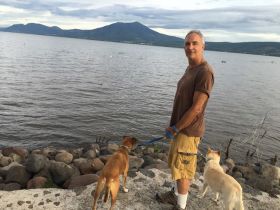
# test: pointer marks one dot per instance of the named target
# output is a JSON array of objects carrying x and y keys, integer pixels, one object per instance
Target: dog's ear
[
  {"x": 219, "y": 153},
  {"x": 208, "y": 150}
]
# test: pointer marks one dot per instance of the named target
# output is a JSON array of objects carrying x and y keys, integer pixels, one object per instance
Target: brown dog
[{"x": 117, "y": 165}]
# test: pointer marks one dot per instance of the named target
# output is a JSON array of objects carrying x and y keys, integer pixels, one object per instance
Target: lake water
[{"x": 66, "y": 92}]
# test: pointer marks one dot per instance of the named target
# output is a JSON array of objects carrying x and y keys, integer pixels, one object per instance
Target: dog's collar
[{"x": 126, "y": 147}]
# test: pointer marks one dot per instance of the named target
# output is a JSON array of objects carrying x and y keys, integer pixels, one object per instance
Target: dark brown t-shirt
[{"x": 199, "y": 78}]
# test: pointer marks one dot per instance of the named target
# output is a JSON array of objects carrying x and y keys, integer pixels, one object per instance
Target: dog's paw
[{"x": 125, "y": 190}]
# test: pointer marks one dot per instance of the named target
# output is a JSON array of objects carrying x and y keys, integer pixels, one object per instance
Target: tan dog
[
  {"x": 117, "y": 165},
  {"x": 221, "y": 183}
]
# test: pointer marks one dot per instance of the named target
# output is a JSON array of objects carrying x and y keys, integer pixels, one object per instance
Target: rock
[
  {"x": 60, "y": 172},
  {"x": 148, "y": 160},
  {"x": 78, "y": 162},
  {"x": 230, "y": 164},
  {"x": 77, "y": 153},
  {"x": 237, "y": 174},
  {"x": 111, "y": 148},
  {"x": 80, "y": 181},
  {"x": 49, "y": 152},
  {"x": 147, "y": 173},
  {"x": 36, "y": 182},
  {"x": 35, "y": 163},
  {"x": 135, "y": 162},
  {"x": 64, "y": 157},
  {"x": 148, "y": 150},
  {"x": 36, "y": 151},
  {"x": 5, "y": 161},
  {"x": 270, "y": 172},
  {"x": 97, "y": 164},
  {"x": 96, "y": 148},
  {"x": 260, "y": 183},
  {"x": 247, "y": 171},
  {"x": 16, "y": 150},
  {"x": 16, "y": 158},
  {"x": 45, "y": 172},
  {"x": 159, "y": 166},
  {"x": 86, "y": 168},
  {"x": 10, "y": 186},
  {"x": 19, "y": 175},
  {"x": 4, "y": 170},
  {"x": 105, "y": 158},
  {"x": 90, "y": 154}
]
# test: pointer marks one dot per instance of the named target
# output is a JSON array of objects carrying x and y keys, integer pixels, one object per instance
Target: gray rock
[
  {"x": 5, "y": 161},
  {"x": 16, "y": 158},
  {"x": 90, "y": 154},
  {"x": 97, "y": 164},
  {"x": 35, "y": 163},
  {"x": 77, "y": 153},
  {"x": 16, "y": 150},
  {"x": 64, "y": 157},
  {"x": 80, "y": 181},
  {"x": 60, "y": 172},
  {"x": 111, "y": 148},
  {"x": 135, "y": 162},
  {"x": 10, "y": 187},
  {"x": 230, "y": 164},
  {"x": 4, "y": 170},
  {"x": 96, "y": 148},
  {"x": 49, "y": 152},
  {"x": 19, "y": 175},
  {"x": 79, "y": 161},
  {"x": 270, "y": 172}
]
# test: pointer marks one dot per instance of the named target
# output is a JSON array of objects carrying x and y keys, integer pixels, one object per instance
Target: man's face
[{"x": 194, "y": 46}]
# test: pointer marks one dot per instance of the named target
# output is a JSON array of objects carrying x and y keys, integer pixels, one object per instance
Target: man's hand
[{"x": 171, "y": 132}]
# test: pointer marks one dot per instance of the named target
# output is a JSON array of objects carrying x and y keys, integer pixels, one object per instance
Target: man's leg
[{"x": 183, "y": 186}]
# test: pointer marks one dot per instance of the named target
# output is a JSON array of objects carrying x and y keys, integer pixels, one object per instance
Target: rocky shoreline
[{"x": 51, "y": 178}]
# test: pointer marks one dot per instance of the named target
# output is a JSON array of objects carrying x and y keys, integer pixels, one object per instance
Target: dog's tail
[{"x": 107, "y": 189}]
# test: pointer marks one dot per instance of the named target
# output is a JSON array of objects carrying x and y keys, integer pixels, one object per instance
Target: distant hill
[{"x": 136, "y": 33}]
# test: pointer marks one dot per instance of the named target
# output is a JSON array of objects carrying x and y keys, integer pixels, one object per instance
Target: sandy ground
[{"x": 141, "y": 195}]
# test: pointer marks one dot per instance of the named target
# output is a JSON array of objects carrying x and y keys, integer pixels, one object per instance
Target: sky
[{"x": 219, "y": 20}]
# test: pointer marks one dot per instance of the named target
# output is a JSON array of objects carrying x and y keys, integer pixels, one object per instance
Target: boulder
[
  {"x": 16, "y": 150},
  {"x": 90, "y": 154},
  {"x": 64, "y": 157},
  {"x": 36, "y": 182},
  {"x": 111, "y": 148},
  {"x": 16, "y": 158},
  {"x": 96, "y": 148},
  {"x": 97, "y": 164},
  {"x": 80, "y": 181},
  {"x": 270, "y": 172},
  {"x": 18, "y": 174},
  {"x": 35, "y": 163},
  {"x": 60, "y": 172},
  {"x": 4, "y": 170},
  {"x": 77, "y": 153},
  {"x": 10, "y": 186},
  {"x": 49, "y": 152},
  {"x": 5, "y": 161},
  {"x": 135, "y": 162}
]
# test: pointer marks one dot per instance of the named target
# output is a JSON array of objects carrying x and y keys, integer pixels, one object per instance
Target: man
[{"x": 187, "y": 120}]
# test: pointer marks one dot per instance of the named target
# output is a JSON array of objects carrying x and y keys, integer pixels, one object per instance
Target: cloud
[{"x": 232, "y": 19}]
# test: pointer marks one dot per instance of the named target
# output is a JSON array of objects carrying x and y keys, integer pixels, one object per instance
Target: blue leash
[{"x": 152, "y": 141}]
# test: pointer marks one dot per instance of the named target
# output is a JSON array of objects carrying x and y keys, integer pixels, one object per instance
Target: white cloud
[{"x": 220, "y": 19}]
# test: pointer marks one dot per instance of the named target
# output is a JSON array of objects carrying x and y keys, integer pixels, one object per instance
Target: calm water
[{"x": 61, "y": 91}]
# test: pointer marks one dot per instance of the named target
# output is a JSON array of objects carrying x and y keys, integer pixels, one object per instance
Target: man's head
[{"x": 194, "y": 45}]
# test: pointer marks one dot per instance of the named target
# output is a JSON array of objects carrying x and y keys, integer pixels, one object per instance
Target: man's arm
[{"x": 199, "y": 102}]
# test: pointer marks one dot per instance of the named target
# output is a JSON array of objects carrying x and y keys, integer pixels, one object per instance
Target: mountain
[{"x": 137, "y": 33}]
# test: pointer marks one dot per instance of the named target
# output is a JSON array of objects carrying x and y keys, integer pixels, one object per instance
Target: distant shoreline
[{"x": 137, "y": 33}]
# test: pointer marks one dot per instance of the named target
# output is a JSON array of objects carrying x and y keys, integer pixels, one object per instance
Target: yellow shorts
[{"x": 180, "y": 159}]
